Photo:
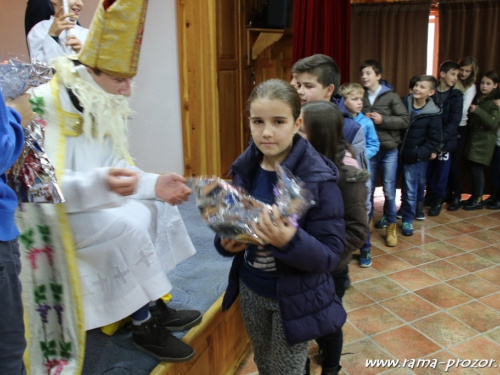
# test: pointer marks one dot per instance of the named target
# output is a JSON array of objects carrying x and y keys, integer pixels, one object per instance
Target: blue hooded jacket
[
  {"x": 353, "y": 133},
  {"x": 11, "y": 144},
  {"x": 306, "y": 292}
]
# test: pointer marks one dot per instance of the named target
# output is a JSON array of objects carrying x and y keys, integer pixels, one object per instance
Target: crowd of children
[{"x": 353, "y": 131}]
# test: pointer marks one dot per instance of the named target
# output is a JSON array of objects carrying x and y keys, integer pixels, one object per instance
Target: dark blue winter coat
[
  {"x": 452, "y": 111},
  {"x": 423, "y": 136},
  {"x": 306, "y": 292}
]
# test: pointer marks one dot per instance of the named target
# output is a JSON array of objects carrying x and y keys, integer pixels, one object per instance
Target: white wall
[{"x": 155, "y": 130}]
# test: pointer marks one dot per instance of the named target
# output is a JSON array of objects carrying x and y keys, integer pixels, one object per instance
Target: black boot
[
  {"x": 331, "y": 371},
  {"x": 494, "y": 206},
  {"x": 474, "y": 204},
  {"x": 175, "y": 320},
  {"x": 152, "y": 338},
  {"x": 491, "y": 199},
  {"x": 429, "y": 200},
  {"x": 455, "y": 204},
  {"x": 420, "y": 214},
  {"x": 435, "y": 209}
]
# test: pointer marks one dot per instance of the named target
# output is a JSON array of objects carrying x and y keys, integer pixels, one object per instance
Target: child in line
[
  {"x": 420, "y": 142},
  {"x": 58, "y": 36},
  {"x": 385, "y": 108},
  {"x": 467, "y": 84},
  {"x": 285, "y": 287},
  {"x": 450, "y": 100},
  {"x": 484, "y": 118},
  {"x": 318, "y": 78},
  {"x": 419, "y": 213},
  {"x": 322, "y": 126}
]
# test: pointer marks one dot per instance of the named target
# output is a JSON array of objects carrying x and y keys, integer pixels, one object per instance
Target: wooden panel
[
  {"x": 229, "y": 82},
  {"x": 220, "y": 343},
  {"x": 230, "y": 127},
  {"x": 199, "y": 96}
]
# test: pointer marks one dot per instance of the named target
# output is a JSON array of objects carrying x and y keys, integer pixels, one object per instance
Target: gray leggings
[{"x": 272, "y": 354}]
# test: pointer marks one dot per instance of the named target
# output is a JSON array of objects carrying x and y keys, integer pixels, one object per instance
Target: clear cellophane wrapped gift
[
  {"x": 230, "y": 211},
  {"x": 32, "y": 177}
]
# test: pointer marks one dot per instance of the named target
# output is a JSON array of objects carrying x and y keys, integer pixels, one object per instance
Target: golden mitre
[{"x": 114, "y": 41}]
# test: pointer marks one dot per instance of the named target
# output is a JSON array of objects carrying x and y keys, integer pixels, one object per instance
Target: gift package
[
  {"x": 32, "y": 177},
  {"x": 230, "y": 211}
]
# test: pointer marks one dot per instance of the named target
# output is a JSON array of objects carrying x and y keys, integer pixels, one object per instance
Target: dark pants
[
  {"x": 331, "y": 345},
  {"x": 477, "y": 178},
  {"x": 437, "y": 175},
  {"x": 455, "y": 177},
  {"x": 12, "y": 342}
]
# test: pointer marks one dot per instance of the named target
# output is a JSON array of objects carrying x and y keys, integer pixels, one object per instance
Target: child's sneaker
[
  {"x": 399, "y": 214},
  {"x": 420, "y": 214},
  {"x": 365, "y": 260},
  {"x": 382, "y": 223},
  {"x": 407, "y": 229}
]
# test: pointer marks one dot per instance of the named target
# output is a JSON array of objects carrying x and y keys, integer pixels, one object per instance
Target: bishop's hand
[
  {"x": 122, "y": 181},
  {"x": 171, "y": 188}
]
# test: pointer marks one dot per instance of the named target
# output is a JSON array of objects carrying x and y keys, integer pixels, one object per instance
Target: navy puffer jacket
[
  {"x": 452, "y": 111},
  {"x": 306, "y": 291},
  {"x": 423, "y": 136}
]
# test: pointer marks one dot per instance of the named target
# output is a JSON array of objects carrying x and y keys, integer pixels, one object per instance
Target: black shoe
[
  {"x": 157, "y": 341},
  {"x": 467, "y": 201},
  {"x": 475, "y": 204},
  {"x": 435, "y": 209},
  {"x": 331, "y": 371},
  {"x": 420, "y": 214},
  {"x": 455, "y": 204},
  {"x": 494, "y": 206},
  {"x": 175, "y": 320},
  {"x": 491, "y": 199}
]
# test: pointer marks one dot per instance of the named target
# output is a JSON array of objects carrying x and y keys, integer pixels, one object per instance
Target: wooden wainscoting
[{"x": 220, "y": 342}]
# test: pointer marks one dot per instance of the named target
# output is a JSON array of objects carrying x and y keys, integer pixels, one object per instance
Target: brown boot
[{"x": 391, "y": 239}]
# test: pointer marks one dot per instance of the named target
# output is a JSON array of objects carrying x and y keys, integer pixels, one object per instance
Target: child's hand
[
  {"x": 376, "y": 118},
  {"x": 472, "y": 108},
  {"x": 62, "y": 21},
  {"x": 277, "y": 233},
  {"x": 74, "y": 43},
  {"x": 433, "y": 156},
  {"x": 232, "y": 246}
]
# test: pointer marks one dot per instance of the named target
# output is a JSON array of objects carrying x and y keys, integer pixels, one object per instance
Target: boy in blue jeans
[
  {"x": 451, "y": 101},
  {"x": 384, "y": 107},
  {"x": 420, "y": 143},
  {"x": 12, "y": 341}
]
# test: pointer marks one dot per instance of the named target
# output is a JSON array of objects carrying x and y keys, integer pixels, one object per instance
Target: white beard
[{"x": 104, "y": 114}]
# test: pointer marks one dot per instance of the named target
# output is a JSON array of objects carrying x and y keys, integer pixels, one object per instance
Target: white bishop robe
[{"x": 124, "y": 245}]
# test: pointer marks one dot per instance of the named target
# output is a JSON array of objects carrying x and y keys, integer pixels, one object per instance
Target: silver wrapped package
[
  {"x": 230, "y": 211},
  {"x": 32, "y": 177}
]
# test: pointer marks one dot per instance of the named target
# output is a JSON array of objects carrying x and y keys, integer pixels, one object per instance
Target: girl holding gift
[{"x": 285, "y": 287}]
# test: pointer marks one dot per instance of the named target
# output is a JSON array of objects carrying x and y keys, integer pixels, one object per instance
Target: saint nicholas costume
[{"x": 98, "y": 257}]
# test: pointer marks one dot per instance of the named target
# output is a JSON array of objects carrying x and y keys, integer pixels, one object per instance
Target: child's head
[
  {"x": 353, "y": 97},
  {"x": 274, "y": 111},
  {"x": 489, "y": 83},
  {"x": 413, "y": 81},
  {"x": 468, "y": 71},
  {"x": 448, "y": 73},
  {"x": 322, "y": 124},
  {"x": 424, "y": 87},
  {"x": 318, "y": 77},
  {"x": 371, "y": 74},
  {"x": 75, "y": 6}
]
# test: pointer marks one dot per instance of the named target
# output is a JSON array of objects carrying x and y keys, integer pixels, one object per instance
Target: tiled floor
[{"x": 435, "y": 295}]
